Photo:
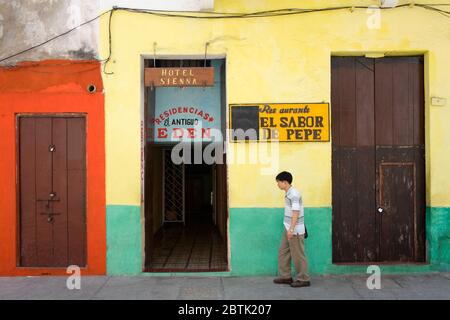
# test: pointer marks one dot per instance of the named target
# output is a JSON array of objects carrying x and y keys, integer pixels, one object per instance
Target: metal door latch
[{"x": 50, "y": 215}]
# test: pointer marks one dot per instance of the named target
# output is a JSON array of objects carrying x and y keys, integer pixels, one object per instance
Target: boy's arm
[
  {"x": 296, "y": 202},
  {"x": 295, "y": 214}
]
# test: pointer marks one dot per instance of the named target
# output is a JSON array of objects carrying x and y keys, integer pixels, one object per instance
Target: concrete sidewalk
[{"x": 413, "y": 286}]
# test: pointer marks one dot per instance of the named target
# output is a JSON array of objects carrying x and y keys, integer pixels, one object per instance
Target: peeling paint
[{"x": 24, "y": 24}]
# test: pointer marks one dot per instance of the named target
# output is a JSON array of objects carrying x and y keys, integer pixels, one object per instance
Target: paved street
[{"x": 415, "y": 286}]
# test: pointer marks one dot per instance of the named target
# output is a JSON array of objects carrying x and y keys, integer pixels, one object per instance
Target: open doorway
[
  {"x": 186, "y": 208},
  {"x": 186, "y": 215}
]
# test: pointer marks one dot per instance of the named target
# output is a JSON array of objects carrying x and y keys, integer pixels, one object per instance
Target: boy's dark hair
[{"x": 284, "y": 176}]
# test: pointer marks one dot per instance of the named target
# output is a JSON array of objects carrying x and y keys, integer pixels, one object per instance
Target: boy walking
[{"x": 292, "y": 242}]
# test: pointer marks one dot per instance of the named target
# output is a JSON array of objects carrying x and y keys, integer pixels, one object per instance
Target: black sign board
[{"x": 244, "y": 118}]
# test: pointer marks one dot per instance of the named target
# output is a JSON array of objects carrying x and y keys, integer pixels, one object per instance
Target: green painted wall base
[
  {"x": 255, "y": 235},
  {"x": 123, "y": 246}
]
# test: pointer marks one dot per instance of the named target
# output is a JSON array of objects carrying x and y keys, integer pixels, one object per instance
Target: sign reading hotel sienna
[
  {"x": 179, "y": 77},
  {"x": 306, "y": 122}
]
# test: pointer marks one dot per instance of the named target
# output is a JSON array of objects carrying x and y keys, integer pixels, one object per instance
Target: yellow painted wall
[{"x": 278, "y": 59}]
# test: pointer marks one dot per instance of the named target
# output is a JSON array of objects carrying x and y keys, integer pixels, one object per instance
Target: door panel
[
  {"x": 401, "y": 195},
  {"x": 28, "y": 204},
  {"x": 353, "y": 172},
  {"x": 400, "y": 139},
  {"x": 378, "y": 133},
  {"x": 354, "y": 234},
  {"x": 399, "y": 101},
  {"x": 59, "y": 189},
  {"x": 345, "y": 229},
  {"x": 76, "y": 203},
  {"x": 43, "y": 183},
  {"x": 52, "y": 191},
  {"x": 397, "y": 202},
  {"x": 365, "y": 192}
]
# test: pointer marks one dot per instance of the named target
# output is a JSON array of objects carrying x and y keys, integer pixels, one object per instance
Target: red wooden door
[
  {"x": 52, "y": 175},
  {"x": 378, "y": 159}
]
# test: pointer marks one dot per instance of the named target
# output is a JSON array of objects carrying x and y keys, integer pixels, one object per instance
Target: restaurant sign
[{"x": 301, "y": 122}]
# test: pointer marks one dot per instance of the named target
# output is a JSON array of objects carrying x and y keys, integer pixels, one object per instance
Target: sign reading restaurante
[{"x": 281, "y": 121}]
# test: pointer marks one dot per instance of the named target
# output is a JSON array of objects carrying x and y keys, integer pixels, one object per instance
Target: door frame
[{"x": 145, "y": 58}]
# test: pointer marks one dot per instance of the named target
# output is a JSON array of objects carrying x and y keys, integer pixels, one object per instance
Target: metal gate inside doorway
[{"x": 173, "y": 190}]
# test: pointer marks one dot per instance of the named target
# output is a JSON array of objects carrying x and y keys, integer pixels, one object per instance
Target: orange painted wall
[{"x": 52, "y": 87}]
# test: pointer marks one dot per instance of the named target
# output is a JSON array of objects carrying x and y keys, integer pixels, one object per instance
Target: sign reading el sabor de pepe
[
  {"x": 299, "y": 122},
  {"x": 179, "y": 77}
]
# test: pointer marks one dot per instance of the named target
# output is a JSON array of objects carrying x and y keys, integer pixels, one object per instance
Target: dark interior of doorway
[{"x": 197, "y": 243}]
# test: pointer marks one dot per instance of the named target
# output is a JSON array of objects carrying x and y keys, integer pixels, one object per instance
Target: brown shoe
[
  {"x": 299, "y": 284},
  {"x": 282, "y": 280}
]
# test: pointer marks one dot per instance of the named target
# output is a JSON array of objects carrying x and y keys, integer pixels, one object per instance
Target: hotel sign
[{"x": 179, "y": 77}]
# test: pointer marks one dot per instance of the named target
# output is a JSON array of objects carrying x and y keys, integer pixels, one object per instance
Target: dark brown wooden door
[
  {"x": 378, "y": 159},
  {"x": 52, "y": 164}
]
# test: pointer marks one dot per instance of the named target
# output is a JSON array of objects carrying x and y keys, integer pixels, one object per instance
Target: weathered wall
[
  {"x": 25, "y": 23},
  {"x": 174, "y": 5},
  {"x": 51, "y": 79},
  {"x": 52, "y": 87}
]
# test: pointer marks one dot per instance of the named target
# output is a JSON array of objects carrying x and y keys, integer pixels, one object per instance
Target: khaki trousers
[{"x": 293, "y": 249}]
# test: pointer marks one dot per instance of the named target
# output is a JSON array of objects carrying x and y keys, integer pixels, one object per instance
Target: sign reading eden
[
  {"x": 177, "y": 123},
  {"x": 179, "y": 77},
  {"x": 281, "y": 121}
]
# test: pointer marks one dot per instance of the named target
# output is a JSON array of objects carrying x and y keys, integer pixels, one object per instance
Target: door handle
[
  {"x": 49, "y": 212},
  {"x": 52, "y": 199},
  {"x": 380, "y": 210}
]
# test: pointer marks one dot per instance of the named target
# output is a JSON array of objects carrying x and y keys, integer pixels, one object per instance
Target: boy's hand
[{"x": 289, "y": 234}]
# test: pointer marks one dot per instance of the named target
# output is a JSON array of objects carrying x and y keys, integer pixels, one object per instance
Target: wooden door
[
  {"x": 378, "y": 159},
  {"x": 221, "y": 197},
  {"x": 52, "y": 179}
]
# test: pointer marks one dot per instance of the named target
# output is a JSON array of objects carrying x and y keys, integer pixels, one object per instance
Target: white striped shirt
[{"x": 293, "y": 202}]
